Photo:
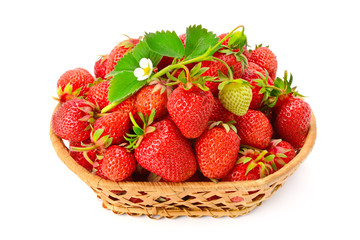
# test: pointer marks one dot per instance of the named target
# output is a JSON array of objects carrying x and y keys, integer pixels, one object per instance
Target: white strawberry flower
[{"x": 145, "y": 69}]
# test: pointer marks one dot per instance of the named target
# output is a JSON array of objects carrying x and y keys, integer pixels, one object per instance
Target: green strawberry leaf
[
  {"x": 165, "y": 43},
  {"x": 123, "y": 85},
  {"x": 143, "y": 50},
  {"x": 198, "y": 41}
]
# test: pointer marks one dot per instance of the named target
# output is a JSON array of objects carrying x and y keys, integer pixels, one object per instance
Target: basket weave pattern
[{"x": 193, "y": 199}]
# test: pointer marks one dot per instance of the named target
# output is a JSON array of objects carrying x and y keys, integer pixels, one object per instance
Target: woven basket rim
[{"x": 94, "y": 180}]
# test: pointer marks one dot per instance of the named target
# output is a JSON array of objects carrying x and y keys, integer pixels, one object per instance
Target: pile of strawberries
[{"x": 231, "y": 119}]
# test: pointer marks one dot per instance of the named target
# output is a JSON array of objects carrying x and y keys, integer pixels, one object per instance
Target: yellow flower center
[{"x": 147, "y": 70}]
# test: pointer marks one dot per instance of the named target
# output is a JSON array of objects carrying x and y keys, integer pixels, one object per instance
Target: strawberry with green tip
[
  {"x": 73, "y": 83},
  {"x": 283, "y": 152},
  {"x": 217, "y": 150},
  {"x": 252, "y": 164},
  {"x": 162, "y": 149},
  {"x": 115, "y": 125},
  {"x": 235, "y": 96}
]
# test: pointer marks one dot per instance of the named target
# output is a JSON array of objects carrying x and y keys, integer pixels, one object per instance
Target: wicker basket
[{"x": 193, "y": 199}]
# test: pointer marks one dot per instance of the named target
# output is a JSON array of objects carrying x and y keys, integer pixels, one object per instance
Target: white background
[{"x": 317, "y": 41}]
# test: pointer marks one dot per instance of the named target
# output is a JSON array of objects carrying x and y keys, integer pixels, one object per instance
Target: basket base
[{"x": 172, "y": 213}]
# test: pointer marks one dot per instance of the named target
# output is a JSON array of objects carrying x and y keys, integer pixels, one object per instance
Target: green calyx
[
  {"x": 99, "y": 142},
  {"x": 228, "y": 125},
  {"x": 67, "y": 93},
  {"x": 281, "y": 88},
  {"x": 135, "y": 138},
  {"x": 257, "y": 158}
]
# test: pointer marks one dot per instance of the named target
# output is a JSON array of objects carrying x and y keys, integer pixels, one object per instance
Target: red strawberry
[
  {"x": 114, "y": 124},
  {"x": 219, "y": 113},
  {"x": 250, "y": 75},
  {"x": 283, "y": 152},
  {"x": 98, "y": 95},
  {"x": 147, "y": 100},
  {"x": 166, "y": 153},
  {"x": 216, "y": 151},
  {"x": 254, "y": 129},
  {"x": 265, "y": 58},
  {"x": 117, "y": 164},
  {"x": 119, "y": 51},
  {"x": 238, "y": 173},
  {"x": 79, "y": 157},
  {"x": 73, "y": 83},
  {"x": 250, "y": 72},
  {"x": 71, "y": 120},
  {"x": 100, "y": 66},
  {"x": 252, "y": 165},
  {"x": 190, "y": 110},
  {"x": 292, "y": 122}
]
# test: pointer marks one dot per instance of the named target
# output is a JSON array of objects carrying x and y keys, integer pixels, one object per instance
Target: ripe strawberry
[
  {"x": 254, "y": 129},
  {"x": 115, "y": 124},
  {"x": 283, "y": 152},
  {"x": 252, "y": 165},
  {"x": 292, "y": 122},
  {"x": 98, "y": 95},
  {"x": 79, "y": 157},
  {"x": 73, "y": 83},
  {"x": 117, "y": 164},
  {"x": 235, "y": 97},
  {"x": 251, "y": 75},
  {"x": 147, "y": 100},
  {"x": 165, "y": 152},
  {"x": 266, "y": 59},
  {"x": 190, "y": 110},
  {"x": 219, "y": 113},
  {"x": 238, "y": 173},
  {"x": 100, "y": 66},
  {"x": 119, "y": 51},
  {"x": 71, "y": 120},
  {"x": 216, "y": 151},
  {"x": 250, "y": 72}
]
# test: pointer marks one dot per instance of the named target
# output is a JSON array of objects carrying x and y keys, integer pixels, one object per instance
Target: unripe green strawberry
[{"x": 235, "y": 97}]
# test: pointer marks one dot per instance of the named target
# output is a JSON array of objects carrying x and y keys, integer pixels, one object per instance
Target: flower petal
[
  {"x": 144, "y": 62},
  {"x": 141, "y": 78},
  {"x": 139, "y": 72}
]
